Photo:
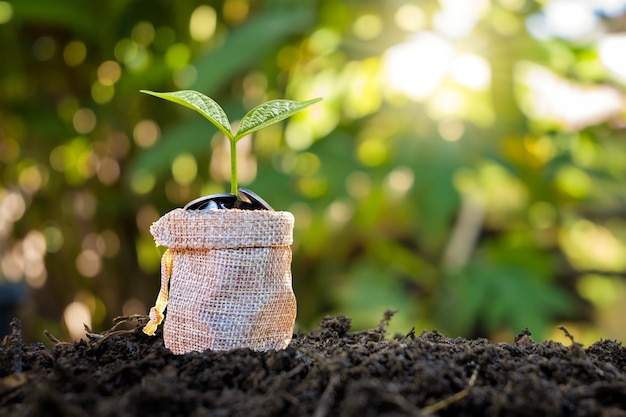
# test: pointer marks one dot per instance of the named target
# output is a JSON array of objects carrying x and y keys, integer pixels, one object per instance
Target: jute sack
[{"x": 229, "y": 276}]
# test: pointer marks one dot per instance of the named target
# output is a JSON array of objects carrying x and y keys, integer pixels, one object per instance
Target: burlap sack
[{"x": 229, "y": 274}]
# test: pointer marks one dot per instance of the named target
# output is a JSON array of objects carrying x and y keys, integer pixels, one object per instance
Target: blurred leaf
[
  {"x": 336, "y": 153},
  {"x": 511, "y": 289},
  {"x": 74, "y": 15},
  {"x": 369, "y": 290},
  {"x": 402, "y": 260},
  {"x": 434, "y": 163},
  {"x": 270, "y": 113},
  {"x": 251, "y": 42}
]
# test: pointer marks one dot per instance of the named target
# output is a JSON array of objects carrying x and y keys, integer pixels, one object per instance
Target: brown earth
[{"x": 327, "y": 372}]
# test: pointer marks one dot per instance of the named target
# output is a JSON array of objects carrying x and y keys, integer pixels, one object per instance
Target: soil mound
[{"x": 327, "y": 372}]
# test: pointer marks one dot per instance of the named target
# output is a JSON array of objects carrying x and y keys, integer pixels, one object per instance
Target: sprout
[{"x": 259, "y": 117}]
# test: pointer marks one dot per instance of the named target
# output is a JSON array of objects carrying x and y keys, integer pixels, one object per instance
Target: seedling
[
  {"x": 232, "y": 279},
  {"x": 259, "y": 117}
]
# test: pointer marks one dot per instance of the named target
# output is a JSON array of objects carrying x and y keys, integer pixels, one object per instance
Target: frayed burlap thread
[{"x": 229, "y": 280}]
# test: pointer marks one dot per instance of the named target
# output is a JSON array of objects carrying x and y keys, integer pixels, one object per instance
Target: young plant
[{"x": 259, "y": 117}]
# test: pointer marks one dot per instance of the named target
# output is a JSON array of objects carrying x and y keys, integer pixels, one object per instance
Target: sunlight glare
[
  {"x": 418, "y": 66},
  {"x": 472, "y": 71},
  {"x": 457, "y": 18},
  {"x": 575, "y": 106},
  {"x": 611, "y": 50},
  {"x": 570, "y": 19},
  {"x": 611, "y": 8},
  {"x": 566, "y": 19}
]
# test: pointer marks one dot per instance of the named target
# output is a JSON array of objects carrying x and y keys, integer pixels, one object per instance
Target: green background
[{"x": 474, "y": 209}]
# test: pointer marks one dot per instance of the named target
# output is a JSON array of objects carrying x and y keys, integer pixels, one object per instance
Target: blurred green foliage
[{"x": 470, "y": 177}]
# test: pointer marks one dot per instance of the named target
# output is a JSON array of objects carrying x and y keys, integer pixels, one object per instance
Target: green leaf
[
  {"x": 270, "y": 113},
  {"x": 200, "y": 103}
]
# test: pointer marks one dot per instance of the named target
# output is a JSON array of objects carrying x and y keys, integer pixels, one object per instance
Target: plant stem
[{"x": 234, "y": 188}]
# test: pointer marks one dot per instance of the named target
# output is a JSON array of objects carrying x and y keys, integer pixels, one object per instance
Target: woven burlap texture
[{"x": 230, "y": 284}]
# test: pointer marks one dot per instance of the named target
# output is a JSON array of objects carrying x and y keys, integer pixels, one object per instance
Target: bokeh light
[
  {"x": 184, "y": 169},
  {"x": 143, "y": 33},
  {"x": 76, "y": 316},
  {"x": 109, "y": 73},
  {"x": 74, "y": 53},
  {"x": 6, "y": 12},
  {"x": 367, "y": 27},
  {"x": 84, "y": 120},
  {"x": 410, "y": 17},
  {"x": 146, "y": 133},
  {"x": 203, "y": 23}
]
